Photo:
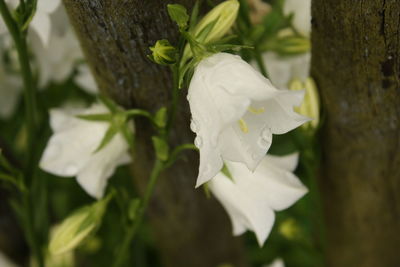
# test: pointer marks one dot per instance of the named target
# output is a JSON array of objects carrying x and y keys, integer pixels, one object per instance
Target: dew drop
[
  {"x": 198, "y": 142},
  {"x": 71, "y": 169},
  {"x": 266, "y": 133},
  {"x": 263, "y": 142},
  {"x": 193, "y": 126}
]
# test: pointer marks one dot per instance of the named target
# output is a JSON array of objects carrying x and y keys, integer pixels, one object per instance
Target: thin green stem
[
  {"x": 124, "y": 248},
  {"x": 23, "y": 57},
  {"x": 176, "y": 152},
  {"x": 19, "y": 37},
  {"x": 260, "y": 62}
]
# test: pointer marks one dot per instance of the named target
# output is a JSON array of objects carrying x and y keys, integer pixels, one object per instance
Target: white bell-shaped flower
[
  {"x": 250, "y": 198},
  {"x": 235, "y": 110},
  {"x": 71, "y": 151}
]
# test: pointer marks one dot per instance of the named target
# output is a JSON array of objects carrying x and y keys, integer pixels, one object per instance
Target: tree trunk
[
  {"x": 356, "y": 63},
  {"x": 190, "y": 230}
]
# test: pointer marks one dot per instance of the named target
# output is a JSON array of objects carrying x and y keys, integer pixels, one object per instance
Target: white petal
[
  {"x": 100, "y": 167},
  {"x": 242, "y": 209},
  {"x": 269, "y": 183},
  {"x": 5, "y": 262},
  {"x": 276, "y": 263},
  {"x": 42, "y": 26},
  {"x": 85, "y": 79},
  {"x": 280, "y": 115},
  {"x": 282, "y": 70},
  {"x": 72, "y": 144},
  {"x": 302, "y": 14},
  {"x": 287, "y": 162},
  {"x": 48, "y": 6}
]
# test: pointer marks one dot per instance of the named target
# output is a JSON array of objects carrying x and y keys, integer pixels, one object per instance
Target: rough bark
[
  {"x": 190, "y": 230},
  {"x": 356, "y": 63}
]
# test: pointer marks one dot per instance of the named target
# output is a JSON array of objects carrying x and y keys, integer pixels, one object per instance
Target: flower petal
[
  {"x": 242, "y": 209},
  {"x": 42, "y": 26}
]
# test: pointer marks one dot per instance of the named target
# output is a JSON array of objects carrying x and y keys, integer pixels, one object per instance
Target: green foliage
[{"x": 178, "y": 14}]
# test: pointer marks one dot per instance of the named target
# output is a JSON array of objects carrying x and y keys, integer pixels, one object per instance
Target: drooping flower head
[
  {"x": 72, "y": 149},
  {"x": 250, "y": 198},
  {"x": 235, "y": 110}
]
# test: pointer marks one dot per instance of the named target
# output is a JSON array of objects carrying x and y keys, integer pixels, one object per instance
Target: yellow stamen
[
  {"x": 243, "y": 126},
  {"x": 256, "y": 110}
]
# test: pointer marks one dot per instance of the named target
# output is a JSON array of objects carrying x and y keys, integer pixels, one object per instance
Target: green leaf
[
  {"x": 108, "y": 103},
  {"x": 178, "y": 14},
  {"x": 161, "y": 147},
  {"x": 161, "y": 117},
  {"x": 108, "y": 136},
  {"x": 96, "y": 117}
]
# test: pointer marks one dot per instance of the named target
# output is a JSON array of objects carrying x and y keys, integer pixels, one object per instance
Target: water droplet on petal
[
  {"x": 263, "y": 142},
  {"x": 71, "y": 169},
  {"x": 198, "y": 142},
  {"x": 266, "y": 133},
  {"x": 193, "y": 126}
]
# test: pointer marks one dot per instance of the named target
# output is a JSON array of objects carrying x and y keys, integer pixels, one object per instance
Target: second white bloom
[
  {"x": 235, "y": 110},
  {"x": 71, "y": 151}
]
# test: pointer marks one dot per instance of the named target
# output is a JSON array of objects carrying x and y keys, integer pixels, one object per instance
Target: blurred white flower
[
  {"x": 10, "y": 89},
  {"x": 5, "y": 262},
  {"x": 57, "y": 59},
  {"x": 276, "y": 263},
  {"x": 71, "y": 149},
  {"x": 41, "y": 23},
  {"x": 302, "y": 14},
  {"x": 235, "y": 111},
  {"x": 282, "y": 69},
  {"x": 85, "y": 79},
  {"x": 250, "y": 198}
]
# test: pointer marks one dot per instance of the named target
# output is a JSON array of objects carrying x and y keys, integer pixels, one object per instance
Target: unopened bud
[
  {"x": 77, "y": 227},
  {"x": 223, "y": 15},
  {"x": 163, "y": 53}
]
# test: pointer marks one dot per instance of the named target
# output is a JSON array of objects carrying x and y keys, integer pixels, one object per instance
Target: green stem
[
  {"x": 260, "y": 62},
  {"x": 124, "y": 248},
  {"x": 175, "y": 153},
  {"x": 23, "y": 57},
  {"x": 19, "y": 37}
]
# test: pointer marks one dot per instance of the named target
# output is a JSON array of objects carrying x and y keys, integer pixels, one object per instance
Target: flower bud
[
  {"x": 310, "y": 105},
  {"x": 163, "y": 53},
  {"x": 290, "y": 229},
  {"x": 224, "y": 14},
  {"x": 77, "y": 227},
  {"x": 220, "y": 19}
]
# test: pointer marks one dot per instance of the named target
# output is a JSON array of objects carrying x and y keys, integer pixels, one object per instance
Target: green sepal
[
  {"x": 108, "y": 136},
  {"x": 226, "y": 172},
  {"x": 96, "y": 117},
  {"x": 161, "y": 147},
  {"x": 163, "y": 53},
  {"x": 178, "y": 13},
  {"x": 194, "y": 16},
  {"x": 111, "y": 105}
]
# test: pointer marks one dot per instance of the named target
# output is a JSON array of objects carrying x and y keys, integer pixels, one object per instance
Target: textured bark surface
[
  {"x": 190, "y": 230},
  {"x": 356, "y": 63}
]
